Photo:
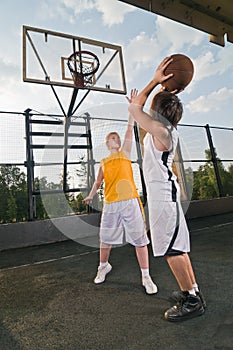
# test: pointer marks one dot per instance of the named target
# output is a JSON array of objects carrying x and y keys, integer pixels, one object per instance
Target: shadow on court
[{"x": 49, "y": 301}]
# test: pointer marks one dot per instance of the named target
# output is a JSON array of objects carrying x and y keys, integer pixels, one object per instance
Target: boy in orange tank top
[{"x": 122, "y": 218}]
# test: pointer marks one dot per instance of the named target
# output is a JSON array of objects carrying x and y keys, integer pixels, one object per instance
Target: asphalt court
[{"x": 49, "y": 301}]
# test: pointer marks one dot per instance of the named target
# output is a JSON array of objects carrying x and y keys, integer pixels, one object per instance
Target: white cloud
[
  {"x": 142, "y": 50},
  {"x": 212, "y": 102},
  {"x": 51, "y": 10},
  {"x": 113, "y": 12},
  {"x": 17, "y": 96},
  {"x": 225, "y": 59},
  {"x": 79, "y": 6},
  {"x": 9, "y": 69},
  {"x": 174, "y": 36},
  {"x": 66, "y": 10},
  {"x": 207, "y": 64},
  {"x": 168, "y": 37}
]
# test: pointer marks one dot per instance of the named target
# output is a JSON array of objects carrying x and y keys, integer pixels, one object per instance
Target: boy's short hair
[
  {"x": 168, "y": 106},
  {"x": 110, "y": 134}
]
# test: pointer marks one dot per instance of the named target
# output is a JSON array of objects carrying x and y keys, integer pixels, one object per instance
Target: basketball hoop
[
  {"x": 83, "y": 65},
  {"x": 78, "y": 79}
]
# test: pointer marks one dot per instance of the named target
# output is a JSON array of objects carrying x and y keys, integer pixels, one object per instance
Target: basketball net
[{"x": 78, "y": 79}]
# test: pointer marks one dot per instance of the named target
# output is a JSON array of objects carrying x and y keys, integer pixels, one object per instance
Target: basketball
[{"x": 183, "y": 69}]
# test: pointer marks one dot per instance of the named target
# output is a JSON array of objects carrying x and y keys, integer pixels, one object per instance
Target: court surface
[{"x": 49, "y": 301}]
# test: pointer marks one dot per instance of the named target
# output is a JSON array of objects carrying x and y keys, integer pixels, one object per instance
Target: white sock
[
  {"x": 192, "y": 291},
  {"x": 195, "y": 287},
  {"x": 103, "y": 264},
  {"x": 145, "y": 272}
]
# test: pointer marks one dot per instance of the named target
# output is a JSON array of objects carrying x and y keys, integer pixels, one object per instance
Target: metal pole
[
  {"x": 90, "y": 161},
  {"x": 29, "y": 164},
  {"x": 139, "y": 161},
  {"x": 66, "y": 137},
  {"x": 214, "y": 160},
  {"x": 185, "y": 195}
]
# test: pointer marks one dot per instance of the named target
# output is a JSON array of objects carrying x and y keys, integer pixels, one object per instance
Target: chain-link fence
[{"x": 49, "y": 163}]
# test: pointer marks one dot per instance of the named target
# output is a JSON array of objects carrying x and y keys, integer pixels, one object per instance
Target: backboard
[{"x": 46, "y": 54}]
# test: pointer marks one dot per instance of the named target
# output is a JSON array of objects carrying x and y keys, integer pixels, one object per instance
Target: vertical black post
[
  {"x": 29, "y": 165},
  {"x": 66, "y": 131},
  {"x": 90, "y": 159},
  {"x": 181, "y": 173},
  {"x": 214, "y": 160},
  {"x": 66, "y": 137},
  {"x": 90, "y": 162},
  {"x": 139, "y": 154}
]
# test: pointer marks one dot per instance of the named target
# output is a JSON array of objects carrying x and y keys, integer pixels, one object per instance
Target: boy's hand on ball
[{"x": 160, "y": 76}]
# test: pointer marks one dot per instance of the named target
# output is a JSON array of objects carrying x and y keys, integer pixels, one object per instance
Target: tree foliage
[
  {"x": 14, "y": 196},
  {"x": 205, "y": 185}
]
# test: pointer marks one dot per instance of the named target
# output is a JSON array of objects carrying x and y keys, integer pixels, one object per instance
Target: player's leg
[
  {"x": 178, "y": 295},
  {"x": 143, "y": 261},
  {"x": 190, "y": 268},
  {"x": 104, "y": 266},
  {"x": 107, "y": 229},
  {"x": 190, "y": 305},
  {"x": 135, "y": 234},
  {"x": 142, "y": 256},
  {"x": 179, "y": 268},
  {"x": 105, "y": 250}
]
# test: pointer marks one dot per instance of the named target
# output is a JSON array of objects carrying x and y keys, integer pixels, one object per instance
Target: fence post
[
  {"x": 214, "y": 160},
  {"x": 29, "y": 165},
  {"x": 139, "y": 154},
  {"x": 90, "y": 162},
  {"x": 180, "y": 172}
]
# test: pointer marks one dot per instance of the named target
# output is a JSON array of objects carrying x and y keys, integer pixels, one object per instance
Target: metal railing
[{"x": 68, "y": 154}]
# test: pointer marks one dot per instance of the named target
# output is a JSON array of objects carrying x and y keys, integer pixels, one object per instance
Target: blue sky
[{"x": 145, "y": 39}]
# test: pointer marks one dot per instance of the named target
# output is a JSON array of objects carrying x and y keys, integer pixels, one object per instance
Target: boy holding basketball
[
  {"x": 122, "y": 218},
  {"x": 169, "y": 232}
]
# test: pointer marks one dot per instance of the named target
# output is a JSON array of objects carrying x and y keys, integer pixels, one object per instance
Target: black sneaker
[
  {"x": 178, "y": 295},
  {"x": 189, "y": 307}
]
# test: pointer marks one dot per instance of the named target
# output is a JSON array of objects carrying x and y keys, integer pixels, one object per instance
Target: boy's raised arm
[
  {"x": 155, "y": 128},
  {"x": 127, "y": 143}
]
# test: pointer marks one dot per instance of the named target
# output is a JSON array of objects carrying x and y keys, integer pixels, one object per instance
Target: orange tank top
[{"x": 118, "y": 178}]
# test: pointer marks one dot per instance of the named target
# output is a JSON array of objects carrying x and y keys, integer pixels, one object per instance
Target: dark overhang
[{"x": 214, "y": 17}]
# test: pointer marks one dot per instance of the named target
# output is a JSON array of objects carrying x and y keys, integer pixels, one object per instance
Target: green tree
[
  {"x": 13, "y": 194},
  {"x": 54, "y": 203},
  {"x": 11, "y": 208},
  {"x": 21, "y": 197},
  {"x": 205, "y": 184},
  {"x": 40, "y": 184},
  {"x": 77, "y": 205},
  {"x": 82, "y": 172},
  {"x": 4, "y": 194},
  {"x": 227, "y": 181}
]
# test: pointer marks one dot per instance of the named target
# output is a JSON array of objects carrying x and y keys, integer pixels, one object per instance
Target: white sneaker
[
  {"x": 149, "y": 285},
  {"x": 101, "y": 273}
]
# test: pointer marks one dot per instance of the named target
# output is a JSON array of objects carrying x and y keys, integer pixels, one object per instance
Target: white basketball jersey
[
  {"x": 160, "y": 180},
  {"x": 167, "y": 222}
]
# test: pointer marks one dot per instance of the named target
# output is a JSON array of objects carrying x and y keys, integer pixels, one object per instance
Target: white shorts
[
  {"x": 168, "y": 228},
  {"x": 123, "y": 222}
]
